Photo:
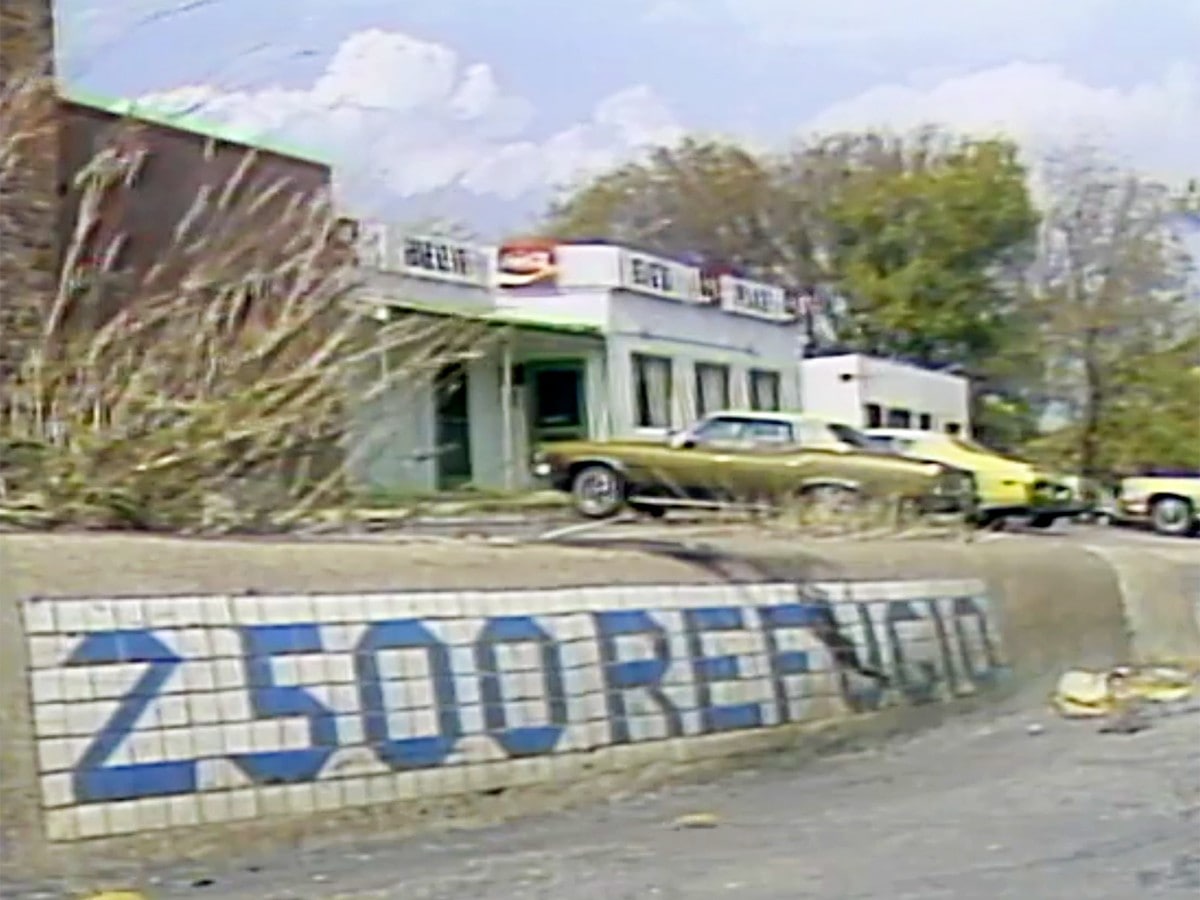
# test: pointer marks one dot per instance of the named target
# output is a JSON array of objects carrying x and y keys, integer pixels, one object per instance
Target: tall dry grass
[{"x": 214, "y": 389}]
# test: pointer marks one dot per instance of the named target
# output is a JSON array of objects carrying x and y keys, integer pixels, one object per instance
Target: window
[
  {"x": 926, "y": 422},
  {"x": 953, "y": 428},
  {"x": 712, "y": 388},
  {"x": 764, "y": 390},
  {"x": 851, "y": 436},
  {"x": 719, "y": 429},
  {"x": 742, "y": 430},
  {"x": 766, "y": 432},
  {"x": 899, "y": 418},
  {"x": 652, "y": 390},
  {"x": 873, "y": 413}
]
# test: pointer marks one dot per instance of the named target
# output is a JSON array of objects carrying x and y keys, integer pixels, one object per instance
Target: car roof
[
  {"x": 902, "y": 432},
  {"x": 766, "y": 415}
]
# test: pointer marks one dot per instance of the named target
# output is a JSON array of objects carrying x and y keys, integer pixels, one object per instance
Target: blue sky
[{"x": 476, "y": 109}]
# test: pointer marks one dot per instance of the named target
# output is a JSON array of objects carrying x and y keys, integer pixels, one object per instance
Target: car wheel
[
  {"x": 1042, "y": 521},
  {"x": 1172, "y": 516},
  {"x": 830, "y": 499},
  {"x": 598, "y": 491}
]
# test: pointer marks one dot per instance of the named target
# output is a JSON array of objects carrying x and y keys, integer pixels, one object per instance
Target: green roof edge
[
  {"x": 121, "y": 106},
  {"x": 495, "y": 317}
]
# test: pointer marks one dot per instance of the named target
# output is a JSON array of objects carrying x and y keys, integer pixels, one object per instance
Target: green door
[
  {"x": 453, "y": 429},
  {"x": 557, "y": 398}
]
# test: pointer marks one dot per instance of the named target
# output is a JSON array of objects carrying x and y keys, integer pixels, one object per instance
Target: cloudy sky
[{"x": 475, "y": 109}]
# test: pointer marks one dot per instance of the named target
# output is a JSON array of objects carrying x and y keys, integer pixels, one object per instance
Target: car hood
[{"x": 570, "y": 447}]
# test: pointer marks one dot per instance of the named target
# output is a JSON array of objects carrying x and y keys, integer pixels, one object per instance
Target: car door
[
  {"x": 710, "y": 464},
  {"x": 773, "y": 459}
]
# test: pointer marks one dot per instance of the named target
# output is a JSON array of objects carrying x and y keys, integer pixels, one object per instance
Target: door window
[
  {"x": 719, "y": 429},
  {"x": 767, "y": 433}
]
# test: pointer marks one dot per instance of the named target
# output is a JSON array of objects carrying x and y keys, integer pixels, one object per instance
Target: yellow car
[
  {"x": 1169, "y": 504},
  {"x": 1005, "y": 487}
]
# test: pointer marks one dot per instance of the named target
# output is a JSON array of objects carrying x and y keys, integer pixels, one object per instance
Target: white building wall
[
  {"x": 830, "y": 388},
  {"x": 394, "y": 440},
  {"x": 690, "y": 334},
  {"x": 841, "y": 387}
]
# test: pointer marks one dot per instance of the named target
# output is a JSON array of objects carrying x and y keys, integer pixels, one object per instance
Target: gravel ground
[{"x": 1013, "y": 804}]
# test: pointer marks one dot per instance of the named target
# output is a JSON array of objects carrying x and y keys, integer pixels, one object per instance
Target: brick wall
[{"x": 28, "y": 173}]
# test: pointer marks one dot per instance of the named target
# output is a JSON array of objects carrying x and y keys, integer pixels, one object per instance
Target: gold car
[
  {"x": 1007, "y": 487},
  {"x": 745, "y": 458}
]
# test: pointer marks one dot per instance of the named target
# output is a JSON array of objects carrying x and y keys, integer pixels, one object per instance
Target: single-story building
[
  {"x": 679, "y": 342},
  {"x": 583, "y": 341},
  {"x": 514, "y": 380},
  {"x": 869, "y": 392}
]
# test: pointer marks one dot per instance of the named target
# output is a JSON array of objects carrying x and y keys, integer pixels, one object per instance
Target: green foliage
[
  {"x": 923, "y": 246},
  {"x": 921, "y": 235},
  {"x": 1117, "y": 329},
  {"x": 704, "y": 197}
]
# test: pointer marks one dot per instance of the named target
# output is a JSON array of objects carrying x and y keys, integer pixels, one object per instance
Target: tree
[
  {"x": 1119, "y": 331},
  {"x": 704, "y": 198},
  {"x": 929, "y": 234},
  {"x": 923, "y": 235}
]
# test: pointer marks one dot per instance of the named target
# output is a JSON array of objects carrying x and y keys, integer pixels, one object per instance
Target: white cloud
[
  {"x": 407, "y": 116},
  {"x": 1005, "y": 25},
  {"x": 1154, "y": 125}
]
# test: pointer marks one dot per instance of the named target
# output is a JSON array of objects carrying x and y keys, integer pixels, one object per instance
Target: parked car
[
  {"x": 1170, "y": 504},
  {"x": 742, "y": 458},
  {"x": 1007, "y": 487}
]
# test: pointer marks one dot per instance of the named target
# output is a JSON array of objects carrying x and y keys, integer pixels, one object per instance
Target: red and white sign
[{"x": 528, "y": 262}]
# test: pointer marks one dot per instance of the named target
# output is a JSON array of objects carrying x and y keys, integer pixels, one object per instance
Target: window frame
[
  {"x": 643, "y": 403},
  {"x": 776, "y": 378},
  {"x": 699, "y": 367}
]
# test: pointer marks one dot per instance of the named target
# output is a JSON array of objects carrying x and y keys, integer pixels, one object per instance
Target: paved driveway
[{"x": 980, "y": 809}]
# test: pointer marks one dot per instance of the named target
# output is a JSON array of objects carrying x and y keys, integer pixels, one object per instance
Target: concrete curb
[
  {"x": 1160, "y": 590},
  {"x": 1036, "y": 610}
]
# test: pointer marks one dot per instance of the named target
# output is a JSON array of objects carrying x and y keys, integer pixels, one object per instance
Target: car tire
[
  {"x": 598, "y": 491},
  {"x": 1173, "y": 516},
  {"x": 831, "y": 498},
  {"x": 1041, "y": 522}
]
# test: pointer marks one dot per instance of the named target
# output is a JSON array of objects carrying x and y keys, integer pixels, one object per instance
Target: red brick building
[{"x": 166, "y": 176}]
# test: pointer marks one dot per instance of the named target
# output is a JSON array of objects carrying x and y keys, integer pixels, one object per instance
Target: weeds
[{"x": 212, "y": 389}]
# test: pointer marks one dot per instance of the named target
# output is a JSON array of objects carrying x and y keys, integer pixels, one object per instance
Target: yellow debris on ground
[
  {"x": 1087, "y": 694},
  {"x": 697, "y": 820}
]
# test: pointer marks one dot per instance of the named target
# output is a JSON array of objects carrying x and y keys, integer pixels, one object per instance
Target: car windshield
[
  {"x": 970, "y": 444},
  {"x": 854, "y": 437}
]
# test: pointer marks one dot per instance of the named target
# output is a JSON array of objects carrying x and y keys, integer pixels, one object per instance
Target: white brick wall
[{"x": 164, "y": 712}]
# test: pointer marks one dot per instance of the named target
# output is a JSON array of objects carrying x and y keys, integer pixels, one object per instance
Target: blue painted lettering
[
  {"x": 621, "y": 676},
  {"x": 710, "y": 670},
  {"x": 783, "y": 663},
  {"x": 96, "y": 782},
  {"x": 414, "y": 752},
  {"x": 271, "y": 700},
  {"x": 523, "y": 740}
]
